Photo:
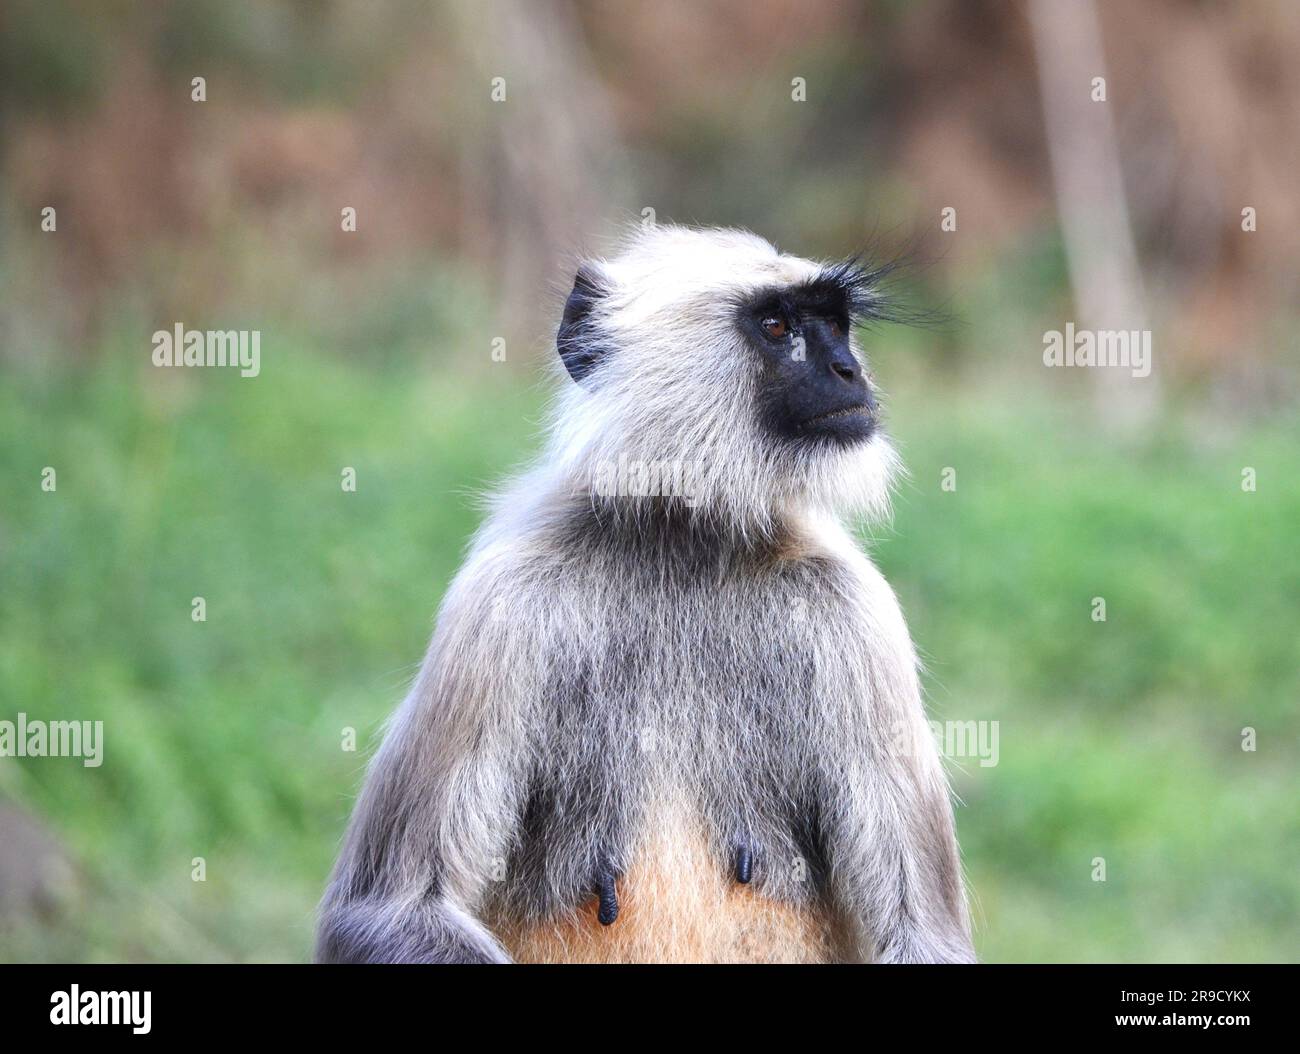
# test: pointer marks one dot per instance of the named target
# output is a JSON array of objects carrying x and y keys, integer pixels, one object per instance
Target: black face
[{"x": 813, "y": 388}]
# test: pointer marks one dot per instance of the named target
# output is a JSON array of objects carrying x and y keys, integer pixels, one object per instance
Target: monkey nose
[{"x": 845, "y": 367}]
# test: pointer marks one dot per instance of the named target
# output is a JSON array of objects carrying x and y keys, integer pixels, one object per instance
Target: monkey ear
[{"x": 581, "y": 348}]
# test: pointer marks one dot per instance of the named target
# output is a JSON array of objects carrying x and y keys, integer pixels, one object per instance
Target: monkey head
[{"x": 710, "y": 353}]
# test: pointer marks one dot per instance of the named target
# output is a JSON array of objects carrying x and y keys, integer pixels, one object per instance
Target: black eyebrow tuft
[
  {"x": 850, "y": 283},
  {"x": 860, "y": 287},
  {"x": 866, "y": 291},
  {"x": 857, "y": 289}
]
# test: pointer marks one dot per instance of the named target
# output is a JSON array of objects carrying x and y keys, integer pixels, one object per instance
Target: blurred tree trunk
[
  {"x": 1091, "y": 202},
  {"x": 547, "y": 167}
]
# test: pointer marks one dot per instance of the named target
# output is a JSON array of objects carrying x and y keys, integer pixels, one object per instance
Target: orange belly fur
[{"x": 678, "y": 905}]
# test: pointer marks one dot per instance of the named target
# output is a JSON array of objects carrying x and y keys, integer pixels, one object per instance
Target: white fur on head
[{"x": 675, "y": 396}]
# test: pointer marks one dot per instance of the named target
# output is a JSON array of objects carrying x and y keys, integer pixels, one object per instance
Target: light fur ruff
[{"x": 642, "y": 687}]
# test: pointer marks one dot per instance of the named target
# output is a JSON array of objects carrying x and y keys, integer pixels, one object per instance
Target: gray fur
[{"x": 597, "y": 656}]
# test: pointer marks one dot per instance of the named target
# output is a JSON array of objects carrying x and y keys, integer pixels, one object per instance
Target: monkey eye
[
  {"x": 836, "y": 331},
  {"x": 775, "y": 327}
]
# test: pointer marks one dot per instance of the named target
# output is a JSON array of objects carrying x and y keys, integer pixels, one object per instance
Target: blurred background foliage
[{"x": 1119, "y": 740}]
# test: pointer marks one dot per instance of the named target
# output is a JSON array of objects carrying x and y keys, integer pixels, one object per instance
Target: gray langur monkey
[{"x": 671, "y": 711}]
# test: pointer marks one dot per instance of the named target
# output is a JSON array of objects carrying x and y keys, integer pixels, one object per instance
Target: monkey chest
[{"x": 694, "y": 733}]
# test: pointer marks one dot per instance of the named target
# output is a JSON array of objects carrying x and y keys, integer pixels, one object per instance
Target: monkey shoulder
[{"x": 836, "y": 568}]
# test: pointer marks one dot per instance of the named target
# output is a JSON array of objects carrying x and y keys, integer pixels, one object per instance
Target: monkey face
[{"x": 813, "y": 388}]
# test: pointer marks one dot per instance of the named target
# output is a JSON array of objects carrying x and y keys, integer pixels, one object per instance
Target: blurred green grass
[{"x": 1118, "y": 739}]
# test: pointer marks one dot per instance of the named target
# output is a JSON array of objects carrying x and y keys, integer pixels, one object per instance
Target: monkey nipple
[
  {"x": 744, "y": 865},
  {"x": 608, "y": 898}
]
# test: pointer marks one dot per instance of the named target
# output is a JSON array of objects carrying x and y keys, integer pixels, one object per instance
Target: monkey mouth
[{"x": 860, "y": 410}]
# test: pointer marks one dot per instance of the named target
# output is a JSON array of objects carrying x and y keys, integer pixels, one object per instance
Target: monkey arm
[
  {"x": 432, "y": 828},
  {"x": 389, "y": 931},
  {"x": 894, "y": 863},
  {"x": 890, "y": 838},
  {"x": 422, "y": 848}
]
